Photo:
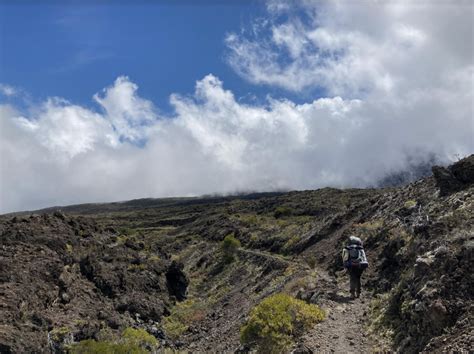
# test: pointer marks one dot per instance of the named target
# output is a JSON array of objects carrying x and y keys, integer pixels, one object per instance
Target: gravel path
[{"x": 345, "y": 328}]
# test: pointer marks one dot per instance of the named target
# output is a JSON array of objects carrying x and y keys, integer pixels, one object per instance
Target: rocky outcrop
[
  {"x": 463, "y": 170},
  {"x": 455, "y": 177},
  {"x": 64, "y": 278},
  {"x": 425, "y": 304},
  {"x": 177, "y": 281}
]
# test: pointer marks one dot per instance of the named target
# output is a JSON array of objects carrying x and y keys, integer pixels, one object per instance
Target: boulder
[
  {"x": 463, "y": 170},
  {"x": 445, "y": 180},
  {"x": 423, "y": 265},
  {"x": 177, "y": 281},
  {"x": 455, "y": 177},
  {"x": 147, "y": 307}
]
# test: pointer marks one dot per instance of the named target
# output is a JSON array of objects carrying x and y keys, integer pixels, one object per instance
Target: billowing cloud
[
  {"x": 126, "y": 111},
  {"x": 399, "y": 91},
  {"x": 355, "y": 48},
  {"x": 65, "y": 129}
]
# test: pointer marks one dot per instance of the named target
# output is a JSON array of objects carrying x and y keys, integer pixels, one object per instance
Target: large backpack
[
  {"x": 355, "y": 254},
  {"x": 353, "y": 257}
]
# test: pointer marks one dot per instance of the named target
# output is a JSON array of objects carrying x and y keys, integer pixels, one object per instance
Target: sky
[
  {"x": 164, "y": 45},
  {"x": 105, "y": 102}
]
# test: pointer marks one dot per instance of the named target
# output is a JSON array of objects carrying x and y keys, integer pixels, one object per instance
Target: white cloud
[
  {"x": 351, "y": 48},
  {"x": 8, "y": 91},
  {"x": 126, "y": 111},
  {"x": 65, "y": 129},
  {"x": 413, "y": 81}
]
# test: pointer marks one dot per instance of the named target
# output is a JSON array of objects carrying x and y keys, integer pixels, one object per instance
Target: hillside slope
[{"x": 158, "y": 265}]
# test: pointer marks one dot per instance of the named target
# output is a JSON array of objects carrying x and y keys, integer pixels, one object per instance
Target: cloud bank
[{"x": 399, "y": 88}]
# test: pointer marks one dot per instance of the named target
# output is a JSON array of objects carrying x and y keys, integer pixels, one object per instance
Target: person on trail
[{"x": 355, "y": 261}]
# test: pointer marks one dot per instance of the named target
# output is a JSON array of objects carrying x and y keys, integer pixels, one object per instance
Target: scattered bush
[
  {"x": 249, "y": 219},
  {"x": 90, "y": 346},
  {"x": 291, "y": 242},
  {"x": 133, "y": 341},
  {"x": 282, "y": 211},
  {"x": 299, "y": 285},
  {"x": 59, "y": 333},
  {"x": 372, "y": 225},
  {"x": 59, "y": 338},
  {"x": 139, "y": 337},
  {"x": 276, "y": 321},
  {"x": 229, "y": 247},
  {"x": 253, "y": 238},
  {"x": 136, "y": 267},
  {"x": 174, "y": 327},
  {"x": 380, "y": 321},
  {"x": 182, "y": 316},
  {"x": 154, "y": 258},
  {"x": 409, "y": 204}
]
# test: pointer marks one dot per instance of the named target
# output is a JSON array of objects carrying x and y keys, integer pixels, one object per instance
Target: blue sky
[
  {"x": 103, "y": 102},
  {"x": 73, "y": 50}
]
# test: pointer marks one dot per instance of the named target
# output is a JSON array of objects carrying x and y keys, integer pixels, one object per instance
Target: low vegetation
[
  {"x": 91, "y": 346},
  {"x": 139, "y": 337},
  {"x": 182, "y": 316},
  {"x": 282, "y": 211},
  {"x": 409, "y": 204},
  {"x": 229, "y": 247},
  {"x": 276, "y": 321},
  {"x": 132, "y": 341}
]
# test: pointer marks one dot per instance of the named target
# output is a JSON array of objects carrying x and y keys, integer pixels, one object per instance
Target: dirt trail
[
  {"x": 345, "y": 328},
  {"x": 268, "y": 255}
]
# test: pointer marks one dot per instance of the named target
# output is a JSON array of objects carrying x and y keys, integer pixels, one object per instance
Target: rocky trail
[{"x": 345, "y": 328}]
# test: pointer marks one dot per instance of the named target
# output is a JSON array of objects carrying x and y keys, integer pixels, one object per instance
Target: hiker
[{"x": 355, "y": 262}]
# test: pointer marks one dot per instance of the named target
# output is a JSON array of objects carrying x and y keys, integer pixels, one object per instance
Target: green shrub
[
  {"x": 253, "y": 238},
  {"x": 409, "y": 204},
  {"x": 139, "y": 337},
  {"x": 282, "y": 211},
  {"x": 250, "y": 219},
  {"x": 60, "y": 338},
  {"x": 154, "y": 258},
  {"x": 136, "y": 267},
  {"x": 292, "y": 241},
  {"x": 276, "y": 321},
  {"x": 229, "y": 247},
  {"x": 90, "y": 346},
  {"x": 182, "y": 316},
  {"x": 132, "y": 341},
  {"x": 371, "y": 225},
  {"x": 59, "y": 333}
]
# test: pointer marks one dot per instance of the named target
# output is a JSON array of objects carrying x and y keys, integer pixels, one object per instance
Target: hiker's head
[{"x": 353, "y": 240}]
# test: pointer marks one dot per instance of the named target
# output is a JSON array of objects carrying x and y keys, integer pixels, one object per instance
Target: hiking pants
[{"x": 354, "y": 275}]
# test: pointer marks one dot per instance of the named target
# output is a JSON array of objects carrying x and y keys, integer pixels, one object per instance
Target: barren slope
[{"x": 102, "y": 268}]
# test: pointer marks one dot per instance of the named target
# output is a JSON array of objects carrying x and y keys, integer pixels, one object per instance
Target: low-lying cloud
[{"x": 399, "y": 89}]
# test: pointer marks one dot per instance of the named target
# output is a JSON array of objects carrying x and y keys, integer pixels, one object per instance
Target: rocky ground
[
  {"x": 66, "y": 277},
  {"x": 346, "y": 328},
  {"x": 90, "y": 271}
]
